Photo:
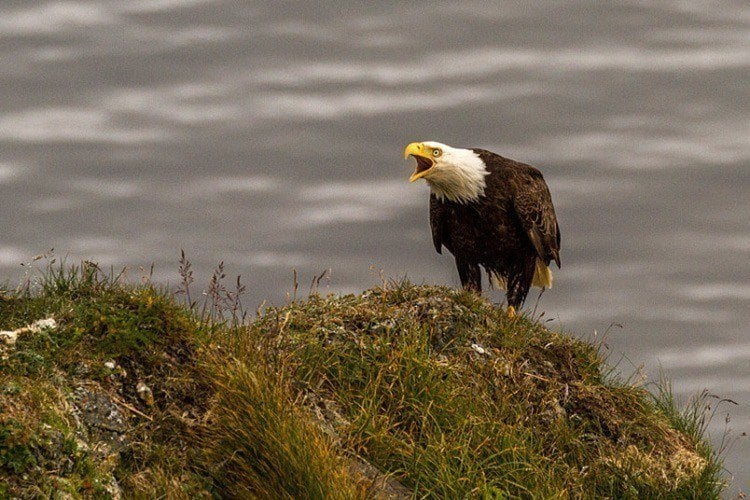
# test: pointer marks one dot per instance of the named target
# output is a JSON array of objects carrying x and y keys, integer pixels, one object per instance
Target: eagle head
[{"x": 453, "y": 173}]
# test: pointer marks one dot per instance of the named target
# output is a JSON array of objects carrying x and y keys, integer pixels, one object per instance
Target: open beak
[{"x": 424, "y": 162}]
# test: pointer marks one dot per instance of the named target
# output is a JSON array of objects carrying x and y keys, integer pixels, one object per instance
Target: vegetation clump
[{"x": 402, "y": 391}]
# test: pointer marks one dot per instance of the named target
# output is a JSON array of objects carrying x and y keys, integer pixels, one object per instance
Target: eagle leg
[
  {"x": 470, "y": 275},
  {"x": 519, "y": 284}
]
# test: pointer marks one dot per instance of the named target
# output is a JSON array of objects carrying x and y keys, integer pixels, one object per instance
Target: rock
[
  {"x": 478, "y": 348},
  {"x": 8, "y": 337},
  {"x": 105, "y": 424},
  {"x": 382, "y": 485},
  {"x": 40, "y": 325},
  {"x": 145, "y": 393}
]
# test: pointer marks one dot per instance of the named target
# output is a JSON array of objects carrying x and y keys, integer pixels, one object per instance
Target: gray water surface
[{"x": 270, "y": 136}]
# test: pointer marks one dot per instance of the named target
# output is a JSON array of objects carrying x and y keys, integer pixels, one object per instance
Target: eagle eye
[{"x": 435, "y": 153}]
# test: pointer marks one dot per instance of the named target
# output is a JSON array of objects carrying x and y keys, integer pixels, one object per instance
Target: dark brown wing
[
  {"x": 533, "y": 205},
  {"x": 437, "y": 222}
]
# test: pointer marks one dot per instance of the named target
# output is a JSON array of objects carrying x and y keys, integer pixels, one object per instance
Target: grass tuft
[{"x": 261, "y": 444}]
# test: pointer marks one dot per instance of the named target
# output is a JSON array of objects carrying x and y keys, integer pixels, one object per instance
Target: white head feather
[{"x": 457, "y": 175}]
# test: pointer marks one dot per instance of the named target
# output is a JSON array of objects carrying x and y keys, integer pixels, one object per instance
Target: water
[{"x": 270, "y": 137}]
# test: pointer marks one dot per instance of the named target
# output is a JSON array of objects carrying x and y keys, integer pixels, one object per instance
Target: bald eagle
[{"x": 492, "y": 212}]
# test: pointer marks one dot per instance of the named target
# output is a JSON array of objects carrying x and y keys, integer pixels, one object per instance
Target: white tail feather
[
  {"x": 542, "y": 275},
  {"x": 542, "y": 278}
]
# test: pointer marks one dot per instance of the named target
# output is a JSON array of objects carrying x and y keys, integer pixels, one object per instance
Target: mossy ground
[{"x": 433, "y": 389}]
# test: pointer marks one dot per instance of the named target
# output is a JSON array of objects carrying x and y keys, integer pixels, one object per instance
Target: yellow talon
[{"x": 511, "y": 312}]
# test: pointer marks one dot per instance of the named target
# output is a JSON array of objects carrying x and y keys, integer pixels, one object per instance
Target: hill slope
[{"x": 401, "y": 391}]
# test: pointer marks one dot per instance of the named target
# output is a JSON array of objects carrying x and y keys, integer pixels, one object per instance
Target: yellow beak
[{"x": 417, "y": 149}]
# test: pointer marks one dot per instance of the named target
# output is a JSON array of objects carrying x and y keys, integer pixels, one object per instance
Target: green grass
[{"x": 436, "y": 389}]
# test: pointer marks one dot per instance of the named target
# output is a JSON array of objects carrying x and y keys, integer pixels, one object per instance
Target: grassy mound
[{"x": 401, "y": 391}]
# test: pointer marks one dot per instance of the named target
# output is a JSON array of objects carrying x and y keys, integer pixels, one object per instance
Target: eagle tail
[{"x": 542, "y": 275}]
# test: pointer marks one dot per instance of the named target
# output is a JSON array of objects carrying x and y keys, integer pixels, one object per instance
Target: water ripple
[
  {"x": 486, "y": 61},
  {"x": 54, "y": 17},
  {"x": 73, "y": 125},
  {"x": 12, "y": 256}
]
